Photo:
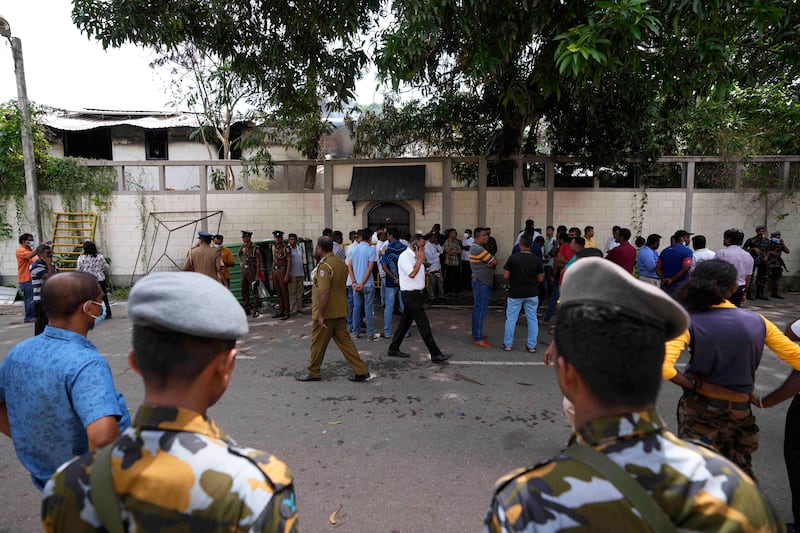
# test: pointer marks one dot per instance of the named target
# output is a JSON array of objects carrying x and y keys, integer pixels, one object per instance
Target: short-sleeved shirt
[
  {"x": 432, "y": 253},
  {"x": 330, "y": 274},
  {"x": 741, "y": 260},
  {"x": 362, "y": 255},
  {"x": 466, "y": 243},
  {"x": 39, "y": 272},
  {"x": 390, "y": 258},
  {"x": 298, "y": 255},
  {"x": 204, "y": 259},
  {"x": 524, "y": 269},
  {"x": 623, "y": 255},
  {"x": 24, "y": 263},
  {"x": 697, "y": 488},
  {"x": 175, "y": 470},
  {"x": 452, "y": 259},
  {"x": 479, "y": 258},
  {"x": 405, "y": 264},
  {"x": 93, "y": 264},
  {"x": 227, "y": 257},
  {"x": 249, "y": 255},
  {"x": 673, "y": 259},
  {"x": 54, "y": 385}
]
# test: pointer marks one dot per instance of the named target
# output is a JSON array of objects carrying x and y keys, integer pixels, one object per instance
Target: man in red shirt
[
  {"x": 25, "y": 254},
  {"x": 625, "y": 254}
]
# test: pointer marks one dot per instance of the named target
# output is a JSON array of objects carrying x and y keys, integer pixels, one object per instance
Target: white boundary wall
[{"x": 120, "y": 232}]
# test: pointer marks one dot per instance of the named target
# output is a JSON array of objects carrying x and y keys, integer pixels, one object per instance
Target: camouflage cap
[
  {"x": 188, "y": 303},
  {"x": 600, "y": 282}
]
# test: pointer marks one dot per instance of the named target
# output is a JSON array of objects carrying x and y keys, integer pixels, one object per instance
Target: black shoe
[
  {"x": 774, "y": 295},
  {"x": 762, "y": 296},
  {"x": 285, "y": 317},
  {"x": 358, "y": 378},
  {"x": 397, "y": 353},
  {"x": 277, "y": 315},
  {"x": 441, "y": 358},
  {"x": 306, "y": 377}
]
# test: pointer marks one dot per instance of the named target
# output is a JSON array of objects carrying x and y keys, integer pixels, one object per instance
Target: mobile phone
[{"x": 415, "y": 247}]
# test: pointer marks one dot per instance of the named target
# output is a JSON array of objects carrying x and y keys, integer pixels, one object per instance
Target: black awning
[{"x": 388, "y": 183}]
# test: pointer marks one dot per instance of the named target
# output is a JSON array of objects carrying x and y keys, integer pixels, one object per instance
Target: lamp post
[{"x": 31, "y": 198}]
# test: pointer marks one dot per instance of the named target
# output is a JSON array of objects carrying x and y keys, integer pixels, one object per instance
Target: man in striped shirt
[{"x": 482, "y": 264}]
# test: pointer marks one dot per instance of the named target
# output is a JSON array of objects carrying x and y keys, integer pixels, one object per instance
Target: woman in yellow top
[{"x": 725, "y": 345}]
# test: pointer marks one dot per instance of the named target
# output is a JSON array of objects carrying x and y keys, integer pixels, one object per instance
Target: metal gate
[{"x": 393, "y": 215}]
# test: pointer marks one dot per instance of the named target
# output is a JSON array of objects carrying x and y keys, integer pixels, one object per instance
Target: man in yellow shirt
[{"x": 227, "y": 260}]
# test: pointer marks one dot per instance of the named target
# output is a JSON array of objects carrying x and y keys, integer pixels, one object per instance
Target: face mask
[
  {"x": 775, "y": 240},
  {"x": 97, "y": 319},
  {"x": 467, "y": 235},
  {"x": 217, "y": 246},
  {"x": 32, "y": 244}
]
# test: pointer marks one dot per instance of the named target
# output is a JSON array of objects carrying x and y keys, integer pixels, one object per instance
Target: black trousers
[
  {"x": 791, "y": 453},
  {"x": 41, "y": 318},
  {"x": 414, "y": 312}
]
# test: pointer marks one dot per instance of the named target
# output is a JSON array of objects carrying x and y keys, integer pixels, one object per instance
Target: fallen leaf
[
  {"x": 332, "y": 518},
  {"x": 335, "y": 422}
]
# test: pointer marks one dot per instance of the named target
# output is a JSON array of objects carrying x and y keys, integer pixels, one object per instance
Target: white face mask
[
  {"x": 217, "y": 246},
  {"x": 467, "y": 235},
  {"x": 98, "y": 319}
]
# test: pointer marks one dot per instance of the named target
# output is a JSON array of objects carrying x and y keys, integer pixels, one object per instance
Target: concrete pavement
[{"x": 415, "y": 449}]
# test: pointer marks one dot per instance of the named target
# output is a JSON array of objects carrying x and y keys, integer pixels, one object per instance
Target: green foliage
[
  {"x": 751, "y": 121},
  {"x": 294, "y": 53},
  {"x": 608, "y": 78},
  {"x": 61, "y": 175},
  {"x": 66, "y": 176}
]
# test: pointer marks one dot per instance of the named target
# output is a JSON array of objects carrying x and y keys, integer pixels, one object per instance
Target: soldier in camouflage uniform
[
  {"x": 726, "y": 345},
  {"x": 175, "y": 470},
  {"x": 608, "y": 350}
]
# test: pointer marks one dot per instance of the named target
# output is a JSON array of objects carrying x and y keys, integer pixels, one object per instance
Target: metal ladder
[{"x": 69, "y": 232}]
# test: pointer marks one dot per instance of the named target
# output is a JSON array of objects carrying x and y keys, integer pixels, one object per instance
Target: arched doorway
[{"x": 394, "y": 215}]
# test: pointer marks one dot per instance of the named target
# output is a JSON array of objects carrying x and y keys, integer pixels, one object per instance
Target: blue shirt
[
  {"x": 393, "y": 251},
  {"x": 647, "y": 262},
  {"x": 360, "y": 257},
  {"x": 673, "y": 259},
  {"x": 54, "y": 385}
]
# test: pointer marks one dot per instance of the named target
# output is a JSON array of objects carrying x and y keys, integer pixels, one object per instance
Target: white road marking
[{"x": 498, "y": 363}]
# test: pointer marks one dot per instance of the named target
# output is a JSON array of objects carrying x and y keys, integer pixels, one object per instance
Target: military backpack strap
[
  {"x": 104, "y": 497},
  {"x": 630, "y": 488}
]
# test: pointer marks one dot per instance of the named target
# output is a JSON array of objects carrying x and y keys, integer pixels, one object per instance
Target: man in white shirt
[
  {"x": 701, "y": 253},
  {"x": 411, "y": 270},
  {"x": 466, "y": 270},
  {"x": 743, "y": 261},
  {"x": 433, "y": 264},
  {"x": 611, "y": 242}
]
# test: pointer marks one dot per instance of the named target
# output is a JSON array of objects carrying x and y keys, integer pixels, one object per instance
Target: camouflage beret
[
  {"x": 600, "y": 282},
  {"x": 188, "y": 303}
]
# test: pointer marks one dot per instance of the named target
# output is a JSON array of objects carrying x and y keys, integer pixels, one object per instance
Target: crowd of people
[{"x": 171, "y": 465}]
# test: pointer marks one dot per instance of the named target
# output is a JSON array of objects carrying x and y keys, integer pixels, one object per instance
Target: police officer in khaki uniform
[
  {"x": 204, "y": 258},
  {"x": 329, "y": 313},
  {"x": 250, "y": 260},
  {"x": 175, "y": 469},
  {"x": 281, "y": 265}
]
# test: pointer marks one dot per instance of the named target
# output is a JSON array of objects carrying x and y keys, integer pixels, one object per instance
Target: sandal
[{"x": 531, "y": 350}]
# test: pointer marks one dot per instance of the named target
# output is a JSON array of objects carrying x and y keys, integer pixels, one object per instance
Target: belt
[
  {"x": 418, "y": 290},
  {"x": 722, "y": 404},
  {"x": 248, "y": 266},
  {"x": 279, "y": 267}
]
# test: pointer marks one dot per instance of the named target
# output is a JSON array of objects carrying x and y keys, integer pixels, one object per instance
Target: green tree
[
  {"x": 296, "y": 53},
  {"x": 216, "y": 94},
  {"x": 608, "y": 78}
]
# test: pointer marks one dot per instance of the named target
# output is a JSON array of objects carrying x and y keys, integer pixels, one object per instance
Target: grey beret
[
  {"x": 601, "y": 282},
  {"x": 188, "y": 303}
]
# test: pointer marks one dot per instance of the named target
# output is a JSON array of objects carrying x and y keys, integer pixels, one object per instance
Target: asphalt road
[{"x": 415, "y": 449}]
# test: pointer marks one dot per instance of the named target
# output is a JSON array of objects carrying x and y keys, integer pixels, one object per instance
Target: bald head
[{"x": 64, "y": 293}]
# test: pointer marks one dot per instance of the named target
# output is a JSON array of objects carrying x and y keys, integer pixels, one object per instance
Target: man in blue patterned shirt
[{"x": 57, "y": 396}]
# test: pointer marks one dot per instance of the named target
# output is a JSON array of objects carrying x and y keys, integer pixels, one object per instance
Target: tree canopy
[{"x": 603, "y": 80}]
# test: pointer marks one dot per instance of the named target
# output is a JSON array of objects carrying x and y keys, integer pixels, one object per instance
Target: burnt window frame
[{"x": 150, "y": 137}]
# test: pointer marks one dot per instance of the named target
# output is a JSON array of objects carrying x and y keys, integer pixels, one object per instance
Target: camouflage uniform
[
  {"x": 698, "y": 489},
  {"x": 175, "y": 470}
]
